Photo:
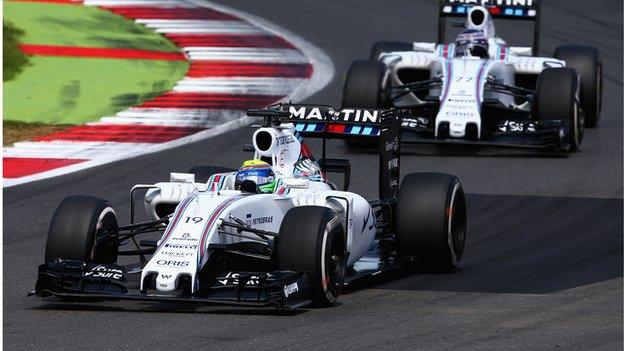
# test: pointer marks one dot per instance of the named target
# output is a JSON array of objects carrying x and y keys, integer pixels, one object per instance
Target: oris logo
[{"x": 170, "y": 263}]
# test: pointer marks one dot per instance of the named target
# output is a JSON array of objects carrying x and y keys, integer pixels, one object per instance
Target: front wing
[{"x": 77, "y": 280}]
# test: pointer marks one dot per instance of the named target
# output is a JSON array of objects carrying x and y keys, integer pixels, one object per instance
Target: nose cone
[
  {"x": 166, "y": 282},
  {"x": 457, "y": 129}
]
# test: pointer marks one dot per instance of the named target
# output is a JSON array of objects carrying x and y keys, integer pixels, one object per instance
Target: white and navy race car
[
  {"x": 479, "y": 90},
  {"x": 276, "y": 232}
]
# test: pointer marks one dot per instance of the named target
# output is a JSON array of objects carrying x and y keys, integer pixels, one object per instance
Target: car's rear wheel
[
  {"x": 312, "y": 239},
  {"x": 557, "y": 98},
  {"x": 203, "y": 173},
  {"x": 381, "y": 47},
  {"x": 587, "y": 62},
  {"x": 431, "y": 220},
  {"x": 83, "y": 228}
]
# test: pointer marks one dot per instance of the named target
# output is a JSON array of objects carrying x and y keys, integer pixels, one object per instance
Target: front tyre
[
  {"x": 587, "y": 62},
  {"x": 83, "y": 228},
  {"x": 557, "y": 98},
  {"x": 431, "y": 220},
  {"x": 312, "y": 239}
]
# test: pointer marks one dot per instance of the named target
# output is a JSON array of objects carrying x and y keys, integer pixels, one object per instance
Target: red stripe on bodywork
[
  {"x": 16, "y": 167},
  {"x": 152, "y": 12},
  {"x": 215, "y": 214},
  {"x": 54, "y": 50},
  {"x": 210, "y": 101},
  {"x": 200, "y": 69},
  {"x": 229, "y": 40},
  {"x": 125, "y": 133}
]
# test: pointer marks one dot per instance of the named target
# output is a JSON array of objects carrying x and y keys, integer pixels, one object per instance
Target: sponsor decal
[
  {"x": 166, "y": 276},
  {"x": 258, "y": 220},
  {"x": 290, "y": 289},
  {"x": 515, "y": 3},
  {"x": 346, "y": 115},
  {"x": 394, "y": 163},
  {"x": 172, "y": 263},
  {"x": 372, "y": 224},
  {"x": 104, "y": 272},
  {"x": 285, "y": 140},
  {"x": 177, "y": 254},
  {"x": 181, "y": 246},
  {"x": 415, "y": 122},
  {"x": 392, "y": 145},
  {"x": 232, "y": 279},
  {"x": 185, "y": 237},
  {"x": 517, "y": 127}
]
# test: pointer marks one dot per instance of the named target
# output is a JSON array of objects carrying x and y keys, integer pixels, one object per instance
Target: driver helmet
[
  {"x": 472, "y": 42},
  {"x": 259, "y": 172}
]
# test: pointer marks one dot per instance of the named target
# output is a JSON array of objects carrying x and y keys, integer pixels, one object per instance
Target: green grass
[
  {"x": 66, "y": 90},
  {"x": 76, "y": 25},
  {"x": 13, "y": 60},
  {"x": 62, "y": 90}
]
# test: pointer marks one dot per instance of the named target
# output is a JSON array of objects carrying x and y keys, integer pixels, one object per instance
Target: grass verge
[{"x": 14, "y": 131}]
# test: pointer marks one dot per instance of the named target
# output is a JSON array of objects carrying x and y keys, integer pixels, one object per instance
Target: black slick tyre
[
  {"x": 312, "y": 239},
  {"x": 587, "y": 62},
  {"x": 83, "y": 228},
  {"x": 557, "y": 98},
  {"x": 431, "y": 220}
]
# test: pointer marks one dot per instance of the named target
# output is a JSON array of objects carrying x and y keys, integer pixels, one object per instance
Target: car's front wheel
[
  {"x": 83, "y": 228},
  {"x": 312, "y": 239},
  {"x": 557, "y": 98}
]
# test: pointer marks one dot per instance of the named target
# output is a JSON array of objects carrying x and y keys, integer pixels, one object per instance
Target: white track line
[
  {"x": 239, "y": 86},
  {"x": 267, "y": 55},
  {"x": 70, "y": 149}
]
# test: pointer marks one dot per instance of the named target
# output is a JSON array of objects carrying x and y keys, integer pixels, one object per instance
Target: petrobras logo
[
  {"x": 513, "y": 3},
  {"x": 346, "y": 115}
]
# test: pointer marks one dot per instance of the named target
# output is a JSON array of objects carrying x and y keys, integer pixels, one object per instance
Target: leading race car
[
  {"x": 480, "y": 91},
  {"x": 276, "y": 232}
]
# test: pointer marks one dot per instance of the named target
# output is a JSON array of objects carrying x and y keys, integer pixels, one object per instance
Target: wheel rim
[
  {"x": 334, "y": 262},
  {"x": 457, "y": 224}
]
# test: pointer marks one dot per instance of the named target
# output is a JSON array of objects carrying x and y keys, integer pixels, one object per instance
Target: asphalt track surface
[{"x": 543, "y": 263}]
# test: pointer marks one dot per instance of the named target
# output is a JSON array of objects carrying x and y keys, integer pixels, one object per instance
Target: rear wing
[
  {"x": 522, "y": 10},
  {"x": 380, "y": 127}
]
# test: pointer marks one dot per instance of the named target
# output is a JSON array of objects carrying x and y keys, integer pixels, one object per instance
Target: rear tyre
[
  {"x": 203, "y": 173},
  {"x": 312, "y": 239},
  {"x": 588, "y": 63},
  {"x": 431, "y": 220},
  {"x": 83, "y": 228},
  {"x": 363, "y": 88},
  {"x": 381, "y": 47},
  {"x": 556, "y": 98}
]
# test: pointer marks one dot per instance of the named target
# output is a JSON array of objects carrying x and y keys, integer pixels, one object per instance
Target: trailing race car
[
  {"x": 480, "y": 91},
  {"x": 276, "y": 232}
]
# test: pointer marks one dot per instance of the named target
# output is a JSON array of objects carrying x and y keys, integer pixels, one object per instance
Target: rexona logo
[
  {"x": 526, "y": 3},
  {"x": 171, "y": 263},
  {"x": 104, "y": 272},
  {"x": 290, "y": 289},
  {"x": 346, "y": 115}
]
